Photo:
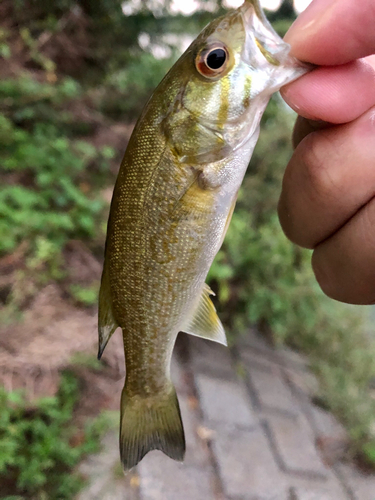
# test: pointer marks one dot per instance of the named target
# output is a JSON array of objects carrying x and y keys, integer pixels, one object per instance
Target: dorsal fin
[{"x": 205, "y": 322}]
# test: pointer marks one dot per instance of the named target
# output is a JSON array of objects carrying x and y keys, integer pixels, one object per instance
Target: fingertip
[
  {"x": 306, "y": 25},
  {"x": 334, "y": 273},
  {"x": 331, "y": 32},
  {"x": 293, "y": 95},
  {"x": 333, "y": 94}
]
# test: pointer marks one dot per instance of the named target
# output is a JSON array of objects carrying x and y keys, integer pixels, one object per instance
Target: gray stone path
[{"x": 252, "y": 433}]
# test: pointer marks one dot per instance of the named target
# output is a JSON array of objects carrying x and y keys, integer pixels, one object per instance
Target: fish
[{"x": 172, "y": 204}]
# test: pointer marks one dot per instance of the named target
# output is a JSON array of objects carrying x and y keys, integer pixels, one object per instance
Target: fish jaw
[{"x": 266, "y": 53}]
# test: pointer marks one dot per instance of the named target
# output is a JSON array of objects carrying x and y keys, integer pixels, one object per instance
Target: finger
[
  {"x": 331, "y": 32},
  {"x": 329, "y": 178},
  {"x": 344, "y": 265},
  {"x": 334, "y": 94}
]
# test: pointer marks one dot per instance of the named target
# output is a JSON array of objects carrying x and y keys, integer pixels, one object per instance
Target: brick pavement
[{"x": 252, "y": 433}]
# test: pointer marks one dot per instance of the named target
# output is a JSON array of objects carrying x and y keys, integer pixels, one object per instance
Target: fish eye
[
  {"x": 216, "y": 59},
  {"x": 212, "y": 61}
]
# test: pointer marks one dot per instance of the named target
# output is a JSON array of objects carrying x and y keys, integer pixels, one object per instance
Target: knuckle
[
  {"x": 344, "y": 264},
  {"x": 289, "y": 220},
  {"x": 317, "y": 154},
  {"x": 366, "y": 219},
  {"x": 323, "y": 277}
]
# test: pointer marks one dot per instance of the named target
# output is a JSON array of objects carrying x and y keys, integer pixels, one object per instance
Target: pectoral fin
[{"x": 205, "y": 322}]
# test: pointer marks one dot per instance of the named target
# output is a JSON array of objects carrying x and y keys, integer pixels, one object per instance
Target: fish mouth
[
  {"x": 265, "y": 49},
  {"x": 257, "y": 26}
]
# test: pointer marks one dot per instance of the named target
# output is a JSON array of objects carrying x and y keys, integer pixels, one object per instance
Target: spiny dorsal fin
[{"x": 205, "y": 322}]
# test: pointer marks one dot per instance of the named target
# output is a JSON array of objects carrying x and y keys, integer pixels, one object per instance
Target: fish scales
[{"x": 172, "y": 204}]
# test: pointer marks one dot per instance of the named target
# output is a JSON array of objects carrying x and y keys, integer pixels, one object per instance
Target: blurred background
[{"x": 74, "y": 76}]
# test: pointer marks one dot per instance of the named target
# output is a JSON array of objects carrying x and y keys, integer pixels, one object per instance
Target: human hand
[{"x": 328, "y": 196}]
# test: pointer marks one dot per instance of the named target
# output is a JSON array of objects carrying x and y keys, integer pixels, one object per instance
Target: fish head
[{"x": 231, "y": 70}]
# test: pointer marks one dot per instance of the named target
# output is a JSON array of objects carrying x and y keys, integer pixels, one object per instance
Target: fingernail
[
  {"x": 310, "y": 21},
  {"x": 289, "y": 96}
]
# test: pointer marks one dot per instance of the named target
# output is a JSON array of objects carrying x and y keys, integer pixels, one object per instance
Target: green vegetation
[
  {"x": 87, "y": 296},
  {"x": 39, "y": 444},
  {"x": 46, "y": 200}
]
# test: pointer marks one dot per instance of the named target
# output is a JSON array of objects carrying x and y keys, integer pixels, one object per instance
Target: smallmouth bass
[{"x": 172, "y": 204}]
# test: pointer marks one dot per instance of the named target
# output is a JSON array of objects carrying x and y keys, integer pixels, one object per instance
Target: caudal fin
[{"x": 152, "y": 423}]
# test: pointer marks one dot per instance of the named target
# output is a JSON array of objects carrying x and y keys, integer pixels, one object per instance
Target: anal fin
[{"x": 205, "y": 322}]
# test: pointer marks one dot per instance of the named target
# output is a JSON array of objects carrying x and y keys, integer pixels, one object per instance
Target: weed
[{"x": 39, "y": 445}]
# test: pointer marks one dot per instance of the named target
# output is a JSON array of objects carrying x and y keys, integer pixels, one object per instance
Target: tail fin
[{"x": 152, "y": 423}]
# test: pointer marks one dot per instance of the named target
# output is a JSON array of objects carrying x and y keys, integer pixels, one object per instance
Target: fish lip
[
  {"x": 265, "y": 50},
  {"x": 262, "y": 33}
]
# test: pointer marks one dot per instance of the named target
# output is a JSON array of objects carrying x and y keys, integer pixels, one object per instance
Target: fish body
[{"x": 172, "y": 203}]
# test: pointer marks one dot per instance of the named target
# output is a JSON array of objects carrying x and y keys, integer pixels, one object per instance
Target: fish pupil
[{"x": 216, "y": 58}]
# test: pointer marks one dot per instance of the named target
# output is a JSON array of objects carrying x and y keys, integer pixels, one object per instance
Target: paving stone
[
  {"x": 224, "y": 403},
  {"x": 255, "y": 360},
  {"x": 164, "y": 479},
  {"x": 263, "y": 353},
  {"x": 247, "y": 467},
  {"x": 332, "y": 439},
  {"x": 117, "y": 491},
  {"x": 104, "y": 473},
  {"x": 254, "y": 340},
  {"x": 326, "y": 424},
  {"x": 316, "y": 494},
  {"x": 294, "y": 444},
  {"x": 178, "y": 376},
  {"x": 361, "y": 485},
  {"x": 211, "y": 358},
  {"x": 196, "y": 448},
  {"x": 271, "y": 390},
  {"x": 303, "y": 383},
  {"x": 292, "y": 359},
  {"x": 312, "y": 486},
  {"x": 276, "y": 496}
]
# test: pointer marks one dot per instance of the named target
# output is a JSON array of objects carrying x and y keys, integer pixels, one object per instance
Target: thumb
[{"x": 331, "y": 32}]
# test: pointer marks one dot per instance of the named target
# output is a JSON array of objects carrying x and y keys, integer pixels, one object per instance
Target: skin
[{"x": 327, "y": 201}]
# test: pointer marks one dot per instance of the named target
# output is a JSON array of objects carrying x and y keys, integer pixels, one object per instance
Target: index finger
[
  {"x": 332, "y": 32},
  {"x": 336, "y": 94}
]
